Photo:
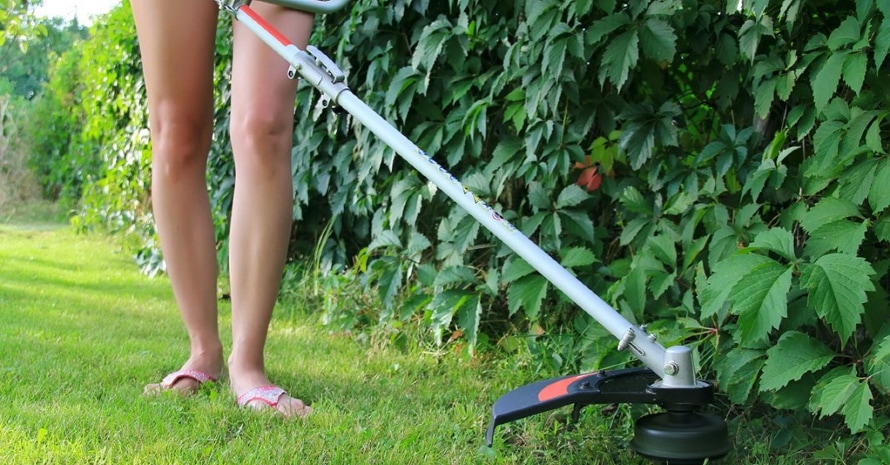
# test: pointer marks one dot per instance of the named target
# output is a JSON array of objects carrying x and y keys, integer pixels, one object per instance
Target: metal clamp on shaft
[
  {"x": 328, "y": 65},
  {"x": 232, "y": 5}
]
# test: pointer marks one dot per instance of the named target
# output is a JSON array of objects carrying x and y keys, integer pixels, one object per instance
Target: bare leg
[
  {"x": 261, "y": 129},
  {"x": 177, "y": 39}
]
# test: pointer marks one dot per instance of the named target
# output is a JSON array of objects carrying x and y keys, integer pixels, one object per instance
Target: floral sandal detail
[{"x": 271, "y": 397}]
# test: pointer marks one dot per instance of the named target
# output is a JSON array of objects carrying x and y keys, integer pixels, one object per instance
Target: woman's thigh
[
  {"x": 177, "y": 40},
  {"x": 262, "y": 93}
]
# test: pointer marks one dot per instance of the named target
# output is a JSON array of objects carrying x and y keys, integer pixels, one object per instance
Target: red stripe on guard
[
  {"x": 557, "y": 389},
  {"x": 265, "y": 25}
]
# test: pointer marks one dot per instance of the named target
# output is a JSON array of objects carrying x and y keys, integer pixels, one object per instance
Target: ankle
[{"x": 206, "y": 358}]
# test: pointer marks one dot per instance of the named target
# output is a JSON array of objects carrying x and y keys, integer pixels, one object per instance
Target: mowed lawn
[{"x": 81, "y": 333}]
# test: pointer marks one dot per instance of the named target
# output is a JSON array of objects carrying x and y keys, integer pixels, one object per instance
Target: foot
[
  {"x": 254, "y": 390},
  {"x": 188, "y": 380}
]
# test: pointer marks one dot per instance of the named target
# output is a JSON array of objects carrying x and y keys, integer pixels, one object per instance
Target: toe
[
  {"x": 293, "y": 408},
  {"x": 183, "y": 386}
]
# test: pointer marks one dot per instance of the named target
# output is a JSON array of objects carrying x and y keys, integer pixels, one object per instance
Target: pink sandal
[
  {"x": 167, "y": 383},
  {"x": 196, "y": 375},
  {"x": 269, "y": 395}
]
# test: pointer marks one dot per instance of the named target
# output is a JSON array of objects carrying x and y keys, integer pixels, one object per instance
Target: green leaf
[
  {"x": 873, "y": 138},
  {"x": 727, "y": 49},
  {"x": 620, "y": 57},
  {"x": 515, "y": 269},
  {"x": 778, "y": 240},
  {"x": 841, "y": 381},
  {"x": 878, "y": 363},
  {"x": 578, "y": 223},
  {"x": 663, "y": 7},
  {"x": 542, "y": 17},
  {"x": 445, "y": 304},
  {"x": 468, "y": 318},
  {"x": 455, "y": 275},
  {"x": 538, "y": 196},
  {"x": 785, "y": 84},
  {"x": 826, "y": 141},
  {"x": 858, "y": 411},
  {"x": 847, "y": 33},
  {"x": 879, "y": 195},
  {"x": 634, "y": 290},
  {"x": 603, "y": 27},
  {"x": 577, "y": 256},
  {"x": 401, "y": 89},
  {"x": 882, "y": 42},
  {"x": 571, "y": 196},
  {"x": 644, "y": 128},
  {"x": 528, "y": 293},
  {"x": 417, "y": 243},
  {"x": 854, "y": 70},
  {"x": 429, "y": 47},
  {"x": 662, "y": 246},
  {"x": 843, "y": 236},
  {"x": 757, "y": 180},
  {"x": 825, "y": 81},
  {"x": 828, "y": 210},
  {"x": 752, "y": 32},
  {"x": 691, "y": 252},
  {"x": 507, "y": 149},
  {"x": 658, "y": 40},
  {"x": 794, "y": 355},
  {"x": 763, "y": 97},
  {"x": 632, "y": 199},
  {"x": 723, "y": 279},
  {"x": 606, "y": 5},
  {"x": 679, "y": 203},
  {"x": 857, "y": 182},
  {"x": 841, "y": 391},
  {"x": 390, "y": 279},
  {"x": 760, "y": 299},
  {"x": 737, "y": 372},
  {"x": 633, "y": 229},
  {"x": 385, "y": 239},
  {"x": 837, "y": 284},
  {"x": 582, "y": 7},
  {"x": 660, "y": 282},
  {"x": 882, "y": 229},
  {"x": 555, "y": 55}
]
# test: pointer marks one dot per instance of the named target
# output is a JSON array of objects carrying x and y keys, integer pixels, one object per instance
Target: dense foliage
[{"x": 714, "y": 169}]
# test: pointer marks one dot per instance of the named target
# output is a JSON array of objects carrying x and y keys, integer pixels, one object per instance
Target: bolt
[{"x": 671, "y": 368}]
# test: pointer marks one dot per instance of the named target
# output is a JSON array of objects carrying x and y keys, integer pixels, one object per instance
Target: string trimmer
[{"x": 680, "y": 434}]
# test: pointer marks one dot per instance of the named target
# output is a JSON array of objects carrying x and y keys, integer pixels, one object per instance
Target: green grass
[{"x": 81, "y": 332}]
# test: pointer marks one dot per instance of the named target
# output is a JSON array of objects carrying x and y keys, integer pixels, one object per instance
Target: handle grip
[{"x": 312, "y": 6}]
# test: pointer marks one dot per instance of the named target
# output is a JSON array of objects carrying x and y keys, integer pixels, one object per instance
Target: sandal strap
[
  {"x": 196, "y": 375},
  {"x": 269, "y": 395}
]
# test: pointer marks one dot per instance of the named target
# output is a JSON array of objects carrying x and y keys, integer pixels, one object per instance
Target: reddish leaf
[{"x": 590, "y": 179}]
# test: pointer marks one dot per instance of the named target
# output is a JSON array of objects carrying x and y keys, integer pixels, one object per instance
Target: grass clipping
[{"x": 17, "y": 183}]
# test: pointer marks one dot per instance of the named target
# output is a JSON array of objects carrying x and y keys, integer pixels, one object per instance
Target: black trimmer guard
[{"x": 679, "y": 436}]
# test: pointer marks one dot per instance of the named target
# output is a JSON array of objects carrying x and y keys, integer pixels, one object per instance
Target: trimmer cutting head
[{"x": 681, "y": 437}]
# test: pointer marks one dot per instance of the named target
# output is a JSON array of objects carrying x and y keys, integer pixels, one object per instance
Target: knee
[
  {"x": 261, "y": 136},
  {"x": 180, "y": 143}
]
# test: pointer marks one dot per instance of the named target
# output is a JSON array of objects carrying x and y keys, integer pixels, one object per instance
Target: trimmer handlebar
[{"x": 312, "y": 6}]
